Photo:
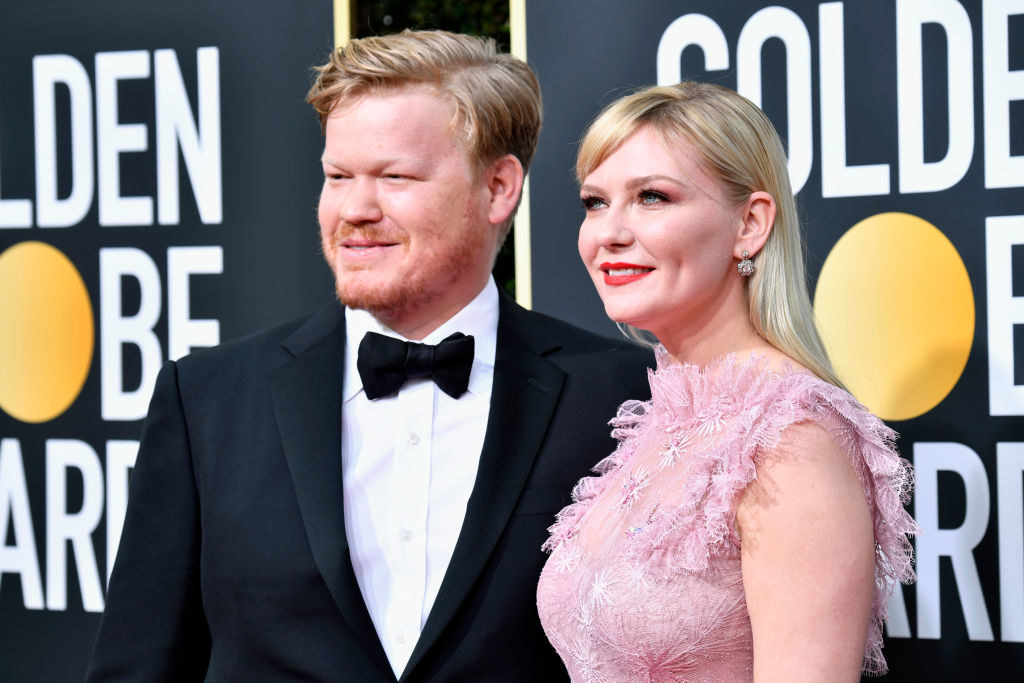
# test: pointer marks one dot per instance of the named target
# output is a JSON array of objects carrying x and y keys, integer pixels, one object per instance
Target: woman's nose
[{"x": 613, "y": 230}]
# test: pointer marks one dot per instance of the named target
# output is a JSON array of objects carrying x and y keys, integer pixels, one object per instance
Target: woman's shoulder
[
  {"x": 746, "y": 402},
  {"x": 763, "y": 384},
  {"x": 791, "y": 393},
  {"x": 824, "y": 457}
]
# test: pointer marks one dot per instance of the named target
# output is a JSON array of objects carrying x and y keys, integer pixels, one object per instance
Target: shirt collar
[{"x": 478, "y": 318}]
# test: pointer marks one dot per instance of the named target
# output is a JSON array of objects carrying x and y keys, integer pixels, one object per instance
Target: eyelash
[
  {"x": 335, "y": 175},
  {"x": 590, "y": 202},
  {"x": 649, "y": 194}
]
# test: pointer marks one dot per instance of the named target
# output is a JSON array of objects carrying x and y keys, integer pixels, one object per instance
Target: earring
[{"x": 746, "y": 266}]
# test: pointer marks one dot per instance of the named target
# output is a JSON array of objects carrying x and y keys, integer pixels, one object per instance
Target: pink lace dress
[{"x": 644, "y": 580}]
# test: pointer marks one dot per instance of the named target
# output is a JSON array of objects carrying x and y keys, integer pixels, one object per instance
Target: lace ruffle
[{"x": 701, "y": 437}]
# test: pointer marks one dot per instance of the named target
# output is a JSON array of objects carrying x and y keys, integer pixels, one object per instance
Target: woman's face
[{"x": 660, "y": 237}]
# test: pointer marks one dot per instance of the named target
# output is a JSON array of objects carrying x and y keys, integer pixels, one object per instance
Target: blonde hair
[
  {"x": 736, "y": 143},
  {"x": 496, "y": 97}
]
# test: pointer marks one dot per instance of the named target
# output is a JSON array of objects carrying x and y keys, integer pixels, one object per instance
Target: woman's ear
[
  {"x": 504, "y": 179},
  {"x": 758, "y": 216}
]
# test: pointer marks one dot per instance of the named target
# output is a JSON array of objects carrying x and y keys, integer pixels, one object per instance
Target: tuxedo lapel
[
  {"x": 523, "y": 400},
  {"x": 306, "y": 393}
]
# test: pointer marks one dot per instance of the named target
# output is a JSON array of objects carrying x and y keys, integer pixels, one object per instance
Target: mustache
[{"x": 344, "y": 232}]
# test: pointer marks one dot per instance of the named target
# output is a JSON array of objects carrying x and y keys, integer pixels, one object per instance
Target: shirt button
[
  {"x": 400, "y": 636},
  {"x": 406, "y": 535},
  {"x": 414, "y": 438}
]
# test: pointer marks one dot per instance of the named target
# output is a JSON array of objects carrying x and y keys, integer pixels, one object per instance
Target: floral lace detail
[{"x": 699, "y": 439}]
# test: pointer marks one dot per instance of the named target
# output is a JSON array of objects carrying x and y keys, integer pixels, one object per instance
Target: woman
[{"x": 750, "y": 523}]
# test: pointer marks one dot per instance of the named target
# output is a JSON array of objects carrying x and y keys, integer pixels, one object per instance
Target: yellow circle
[
  {"x": 896, "y": 310},
  {"x": 46, "y": 332}
]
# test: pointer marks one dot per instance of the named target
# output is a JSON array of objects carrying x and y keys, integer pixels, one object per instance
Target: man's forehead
[
  {"x": 382, "y": 95},
  {"x": 391, "y": 107}
]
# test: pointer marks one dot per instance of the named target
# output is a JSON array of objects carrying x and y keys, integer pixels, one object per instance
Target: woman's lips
[{"x": 623, "y": 273}]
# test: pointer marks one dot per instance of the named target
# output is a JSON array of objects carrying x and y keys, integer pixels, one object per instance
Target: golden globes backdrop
[
  {"x": 159, "y": 173},
  {"x": 904, "y": 124},
  {"x": 158, "y": 182}
]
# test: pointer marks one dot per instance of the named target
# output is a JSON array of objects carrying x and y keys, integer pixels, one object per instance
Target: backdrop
[
  {"x": 904, "y": 123},
  {"x": 158, "y": 182},
  {"x": 159, "y": 173}
]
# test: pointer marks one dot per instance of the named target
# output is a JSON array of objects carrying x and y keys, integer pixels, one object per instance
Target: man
[{"x": 303, "y": 508}]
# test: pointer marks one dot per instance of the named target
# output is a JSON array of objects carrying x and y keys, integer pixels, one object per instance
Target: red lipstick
[{"x": 623, "y": 273}]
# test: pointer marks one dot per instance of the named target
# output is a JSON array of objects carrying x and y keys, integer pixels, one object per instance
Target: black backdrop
[
  {"x": 968, "y": 453},
  {"x": 60, "y": 474},
  {"x": 267, "y": 237}
]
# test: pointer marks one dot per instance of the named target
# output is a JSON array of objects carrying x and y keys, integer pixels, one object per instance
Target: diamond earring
[{"x": 746, "y": 266}]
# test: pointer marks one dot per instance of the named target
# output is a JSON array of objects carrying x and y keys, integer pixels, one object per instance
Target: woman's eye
[
  {"x": 592, "y": 203},
  {"x": 651, "y": 197}
]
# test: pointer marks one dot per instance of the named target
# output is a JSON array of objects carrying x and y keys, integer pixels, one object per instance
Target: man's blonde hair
[
  {"x": 495, "y": 96},
  {"x": 736, "y": 144}
]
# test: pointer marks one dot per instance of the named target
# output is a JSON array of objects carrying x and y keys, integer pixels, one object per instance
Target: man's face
[{"x": 403, "y": 212}]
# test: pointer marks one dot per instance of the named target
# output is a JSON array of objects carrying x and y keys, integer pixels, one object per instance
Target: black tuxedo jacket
[{"x": 233, "y": 555}]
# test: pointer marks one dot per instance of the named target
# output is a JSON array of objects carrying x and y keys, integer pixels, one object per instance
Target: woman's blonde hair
[{"x": 736, "y": 143}]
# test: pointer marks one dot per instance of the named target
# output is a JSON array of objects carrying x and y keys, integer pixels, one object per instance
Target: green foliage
[{"x": 479, "y": 17}]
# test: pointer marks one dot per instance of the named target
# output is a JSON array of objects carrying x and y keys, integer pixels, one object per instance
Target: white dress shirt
[{"x": 408, "y": 465}]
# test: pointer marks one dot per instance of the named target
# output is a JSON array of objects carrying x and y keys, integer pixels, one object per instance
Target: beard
[{"x": 414, "y": 284}]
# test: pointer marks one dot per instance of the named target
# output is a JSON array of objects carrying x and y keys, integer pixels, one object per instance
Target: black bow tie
[{"x": 385, "y": 363}]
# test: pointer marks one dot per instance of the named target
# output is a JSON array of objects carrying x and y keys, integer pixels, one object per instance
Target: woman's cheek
[{"x": 585, "y": 245}]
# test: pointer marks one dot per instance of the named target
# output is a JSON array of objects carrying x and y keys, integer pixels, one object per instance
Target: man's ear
[
  {"x": 758, "y": 218},
  {"x": 504, "y": 185}
]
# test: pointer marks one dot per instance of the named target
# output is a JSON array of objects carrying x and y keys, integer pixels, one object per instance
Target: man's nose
[{"x": 361, "y": 203}]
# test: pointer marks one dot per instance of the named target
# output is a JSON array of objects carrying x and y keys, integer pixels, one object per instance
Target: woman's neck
[{"x": 703, "y": 344}]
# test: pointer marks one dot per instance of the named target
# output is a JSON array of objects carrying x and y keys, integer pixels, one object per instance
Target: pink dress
[{"x": 644, "y": 580}]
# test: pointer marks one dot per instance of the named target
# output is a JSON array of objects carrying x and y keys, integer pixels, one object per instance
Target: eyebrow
[
  {"x": 408, "y": 162},
  {"x": 638, "y": 183}
]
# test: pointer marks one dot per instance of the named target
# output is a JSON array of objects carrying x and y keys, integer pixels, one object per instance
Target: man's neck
[{"x": 418, "y": 325}]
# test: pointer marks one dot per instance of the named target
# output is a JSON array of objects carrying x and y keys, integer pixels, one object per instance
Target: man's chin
[{"x": 382, "y": 303}]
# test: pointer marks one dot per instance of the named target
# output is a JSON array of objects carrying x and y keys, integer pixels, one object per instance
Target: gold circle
[
  {"x": 46, "y": 332},
  {"x": 895, "y": 307}
]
